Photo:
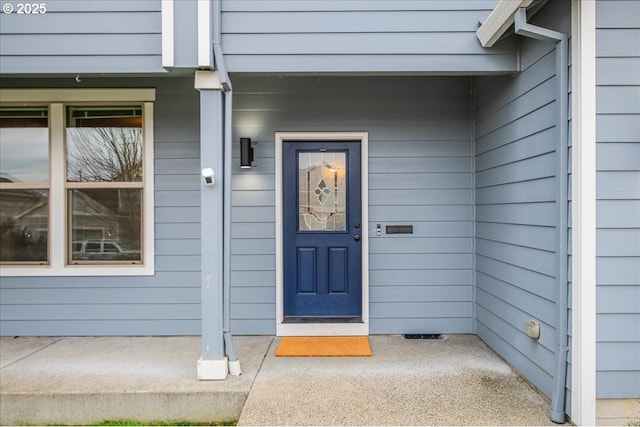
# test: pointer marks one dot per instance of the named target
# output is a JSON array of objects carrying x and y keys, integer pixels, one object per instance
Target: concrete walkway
[{"x": 455, "y": 381}]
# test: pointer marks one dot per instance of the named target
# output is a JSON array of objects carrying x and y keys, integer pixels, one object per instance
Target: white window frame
[{"x": 57, "y": 99}]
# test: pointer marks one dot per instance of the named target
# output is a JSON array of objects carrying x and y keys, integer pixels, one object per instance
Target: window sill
[{"x": 73, "y": 270}]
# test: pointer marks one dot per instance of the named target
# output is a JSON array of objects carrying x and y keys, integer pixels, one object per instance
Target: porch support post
[{"x": 213, "y": 364}]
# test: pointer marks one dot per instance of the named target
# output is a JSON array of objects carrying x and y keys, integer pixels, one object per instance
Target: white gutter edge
[{"x": 500, "y": 19}]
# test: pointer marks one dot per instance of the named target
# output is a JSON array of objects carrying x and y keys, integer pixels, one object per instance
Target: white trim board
[
  {"x": 500, "y": 19},
  {"x": 317, "y": 329},
  {"x": 583, "y": 218}
]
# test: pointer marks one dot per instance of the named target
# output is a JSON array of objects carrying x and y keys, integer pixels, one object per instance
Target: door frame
[{"x": 322, "y": 329}]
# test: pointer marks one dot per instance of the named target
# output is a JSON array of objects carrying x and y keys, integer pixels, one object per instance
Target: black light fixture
[{"x": 246, "y": 153}]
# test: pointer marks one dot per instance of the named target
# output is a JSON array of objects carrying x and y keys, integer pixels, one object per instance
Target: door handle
[{"x": 356, "y": 237}]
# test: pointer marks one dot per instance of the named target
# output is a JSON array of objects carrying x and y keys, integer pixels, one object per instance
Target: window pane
[
  {"x": 322, "y": 191},
  {"x": 106, "y": 224},
  {"x": 104, "y": 144},
  {"x": 24, "y": 145},
  {"x": 24, "y": 224}
]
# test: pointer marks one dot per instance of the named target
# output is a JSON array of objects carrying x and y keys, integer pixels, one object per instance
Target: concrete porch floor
[{"x": 455, "y": 381}]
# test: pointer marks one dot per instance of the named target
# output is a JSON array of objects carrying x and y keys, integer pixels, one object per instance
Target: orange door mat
[{"x": 323, "y": 347}]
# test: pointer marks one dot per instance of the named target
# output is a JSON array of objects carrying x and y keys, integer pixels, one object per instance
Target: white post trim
[
  {"x": 316, "y": 329},
  {"x": 583, "y": 220},
  {"x": 167, "y": 33},
  {"x": 205, "y": 46}
]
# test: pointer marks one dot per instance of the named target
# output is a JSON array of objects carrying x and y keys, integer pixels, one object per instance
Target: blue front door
[{"x": 322, "y": 229}]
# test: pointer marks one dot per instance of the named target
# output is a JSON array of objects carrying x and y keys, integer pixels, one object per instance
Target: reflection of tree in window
[
  {"x": 104, "y": 145},
  {"x": 104, "y": 154}
]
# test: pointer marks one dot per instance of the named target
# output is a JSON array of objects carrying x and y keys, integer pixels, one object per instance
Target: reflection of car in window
[{"x": 111, "y": 250}]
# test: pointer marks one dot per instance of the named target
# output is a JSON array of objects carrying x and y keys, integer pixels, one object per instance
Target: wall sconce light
[{"x": 246, "y": 153}]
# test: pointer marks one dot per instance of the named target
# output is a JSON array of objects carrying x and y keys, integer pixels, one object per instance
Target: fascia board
[{"x": 500, "y": 19}]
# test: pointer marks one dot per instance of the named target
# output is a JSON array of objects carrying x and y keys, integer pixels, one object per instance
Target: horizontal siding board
[
  {"x": 609, "y": 324},
  {"x": 248, "y": 278},
  {"x": 253, "y": 327},
  {"x": 107, "y": 296},
  {"x": 541, "y": 214},
  {"x": 618, "y": 100},
  {"x": 536, "y": 121},
  {"x": 533, "y": 191},
  {"x": 417, "y": 277},
  {"x": 177, "y": 231},
  {"x": 521, "y": 256},
  {"x": 618, "y": 213},
  {"x": 542, "y": 238},
  {"x": 264, "y": 311},
  {"x": 449, "y": 43},
  {"x": 618, "y": 185},
  {"x": 83, "y": 23},
  {"x": 391, "y": 21},
  {"x": 355, "y": 5},
  {"x": 617, "y": 157},
  {"x": 534, "y": 282},
  {"x": 509, "y": 326},
  {"x": 384, "y": 310},
  {"x": 259, "y": 230},
  {"x": 420, "y": 197},
  {"x": 410, "y": 244},
  {"x": 177, "y": 198},
  {"x": 618, "y": 242},
  {"x": 449, "y": 142},
  {"x": 154, "y": 311},
  {"x": 608, "y": 42},
  {"x": 127, "y": 327},
  {"x": 420, "y": 164},
  {"x": 617, "y": 128},
  {"x": 253, "y": 295},
  {"x": 253, "y": 262},
  {"x": 253, "y": 198},
  {"x": 618, "y": 71},
  {"x": 253, "y": 247},
  {"x": 534, "y": 168},
  {"x": 177, "y": 214},
  {"x": 419, "y": 261},
  {"x": 408, "y": 294},
  {"x": 159, "y": 280},
  {"x": 421, "y": 213},
  {"x": 617, "y": 14},
  {"x": 521, "y": 299},
  {"x": 71, "y": 44},
  {"x": 381, "y": 181},
  {"x": 535, "y": 145},
  {"x": 395, "y": 63},
  {"x": 116, "y": 64},
  {"x": 541, "y": 96},
  {"x": 618, "y": 356},
  {"x": 617, "y": 384},
  {"x": 177, "y": 263},
  {"x": 617, "y": 271},
  {"x": 452, "y": 325},
  {"x": 495, "y": 92},
  {"x": 178, "y": 246}
]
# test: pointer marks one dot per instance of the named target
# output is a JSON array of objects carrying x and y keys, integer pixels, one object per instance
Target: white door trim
[{"x": 316, "y": 329}]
